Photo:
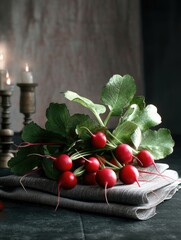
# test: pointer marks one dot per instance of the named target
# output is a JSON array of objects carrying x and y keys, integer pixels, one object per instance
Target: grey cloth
[{"x": 129, "y": 201}]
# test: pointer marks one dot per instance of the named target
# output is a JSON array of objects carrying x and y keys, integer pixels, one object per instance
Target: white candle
[
  {"x": 27, "y": 76},
  {"x": 2, "y": 71},
  {"x": 9, "y": 85},
  {"x": 1, "y": 61},
  {"x": 8, "y": 80}
]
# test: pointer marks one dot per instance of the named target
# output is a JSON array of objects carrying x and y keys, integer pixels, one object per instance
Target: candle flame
[
  {"x": 7, "y": 75},
  {"x": 8, "y": 80},
  {"x": 26, "y": 68}
]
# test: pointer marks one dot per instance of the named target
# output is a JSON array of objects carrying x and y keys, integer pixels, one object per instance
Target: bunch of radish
[
  {"x": 101, "y": 171},
  {"x": 82, "y": 149},
  {"x": 101, "y": 166},
  {"x": 121, "y": 168},
  {"x": 104, "y": 172}
]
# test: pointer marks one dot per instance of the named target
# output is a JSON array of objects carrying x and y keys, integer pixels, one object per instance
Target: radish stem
[
  {"x": 105, "y": 193},
  {"x": 27, "y": 174},
  {"x": 58, "y": 196}
]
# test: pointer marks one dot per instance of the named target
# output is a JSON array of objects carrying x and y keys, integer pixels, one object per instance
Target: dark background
[{"x": 161, "y": 31}]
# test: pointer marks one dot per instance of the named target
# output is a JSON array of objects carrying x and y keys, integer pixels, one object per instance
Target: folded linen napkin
[{"x": 129, "y": 201}]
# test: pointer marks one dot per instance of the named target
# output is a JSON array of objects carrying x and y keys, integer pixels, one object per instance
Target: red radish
[
  {"x": 90, "y": 178},
  {"x": 129, "y": 174},
  {"x": 106, "y": 178},
  {"x": 124, "y": 153},
  {"x": 92, "y": 164},
  {"x": 63, "y": 162},
  {"x": 145, "y": 159},
  {"x": 1, "y": 205},
  {"x": 66, "y": 180},
  {"x": 98, "y": 140}
]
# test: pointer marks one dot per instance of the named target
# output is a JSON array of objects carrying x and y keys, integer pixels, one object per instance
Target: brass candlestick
[
  {"x": 27, "y": 100},
  {"x": 6, "y": 134}
]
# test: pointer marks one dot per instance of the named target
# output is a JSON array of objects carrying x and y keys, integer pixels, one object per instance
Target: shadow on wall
[{"x": 70, "y": 45}]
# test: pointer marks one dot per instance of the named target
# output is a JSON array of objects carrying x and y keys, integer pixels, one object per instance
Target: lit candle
[
  {"x": 8, "y": 80},
  {"x": 9, "y": 85},
  {"x": 2, "y": 71},
  {"x": 1, "y": 61},
  {"x": 27, "y": 76}
]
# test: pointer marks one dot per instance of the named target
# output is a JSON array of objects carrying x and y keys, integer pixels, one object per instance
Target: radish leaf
[
  {"x": 131, "y": 113},
  {"x": 97, "y": 109},
  {"x": 72, "y": 96},
  {"x": 139, "y": 100},
  {"x": 118, "y": 93},
  {"x": 146, "y": 118},
  {"x": 136, "y": 137},
  {"x": 75, "y": 120},
  {"x": 57, "y": 118},
  {"x": 49, "y": 169},
  {"x": 159, "y": 143},
  {"x": 124, "y": 131},
  {"x": 34, "y": 133},
  {"x": 21, "y": 164},
  {"x": 81, "y": 129}
]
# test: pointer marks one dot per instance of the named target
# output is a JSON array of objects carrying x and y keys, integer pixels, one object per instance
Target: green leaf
[
  {"x": 124, "y": 131},
  {"x": 72, "y": 96},
  {"x": 131, "y": 113},
  {"x": 139, "y": 100},
  {"x": 49, "y": 169},
  {"x": 22, "y": 164},
  {"x": 97, "y": 109},
  {"x": 75, "y": 120},
  {"x": 136, "y": 137},
  {"x": 148, "y": 117},
  {"x": 57, "y": 118},
  {"x": 82, "y": 131},
  {"x": 35, "y": 134},
  {"x": 159, "y": 143},
  {"x": 118, "y": 93}
]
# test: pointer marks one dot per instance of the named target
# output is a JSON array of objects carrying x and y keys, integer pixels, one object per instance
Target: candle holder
[
  {"x": 27, "y": 100},
  {"x": 6, "y": 134},
  {"x": 2, "y": 77}
]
